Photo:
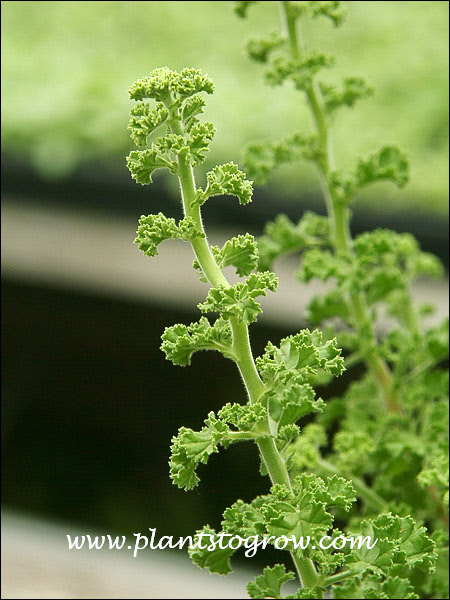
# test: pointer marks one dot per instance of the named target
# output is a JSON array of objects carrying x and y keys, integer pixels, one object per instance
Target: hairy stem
[
  {"x": 271, "y": 457},
  {"x": 339, "y": 218},
  {"x": 337, "y": 578}
]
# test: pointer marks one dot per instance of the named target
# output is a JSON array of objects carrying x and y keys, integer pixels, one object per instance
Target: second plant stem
[{"x": 339, "y": 218}]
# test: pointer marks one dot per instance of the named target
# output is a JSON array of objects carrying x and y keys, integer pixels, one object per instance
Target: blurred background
[{"x": 89, "y": 403}]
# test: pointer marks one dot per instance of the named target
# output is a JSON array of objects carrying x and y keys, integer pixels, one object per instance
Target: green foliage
[
  {"x": 260, "y": 48},
  {"x": 241, "y": 8},
  {"x": 298, "y": 357},
  {"x": 227, "y": 180},
  {"x": 189, "y": 448},
  {"x": 301, "y": 71},
  {"x": 268, "y": 585},
  {"x": 144, "y": 120},
  {"x": 282, "y": 237},
  {"x": 353, "y": 89},
  {"x": 241, "y": 252},
  {"x": 239, "y": 300},
  {"x": 154, "y": 229},
  {"x": 261, "y": 158},
  {"x": 373, "y": 464},
  {"x": 401, "y": 544},
  {"x": 387, "y": 164},
  {"x": 216, "y": 560},
  {"x": 181, "y": 341},
  {"x": 373, "y": 587},
  {"x": 178, "y": 104},
  {"x": 165, "y": 85},
  {"x": 383, "y": 266}
]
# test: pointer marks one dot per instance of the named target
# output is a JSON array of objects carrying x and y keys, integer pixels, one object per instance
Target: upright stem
[
  {"x": 339, "y": 218},
  {"x": 271, "y": 457}
]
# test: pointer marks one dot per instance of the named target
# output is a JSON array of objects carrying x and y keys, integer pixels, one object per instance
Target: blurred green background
[{"x": 66, "y": 68}]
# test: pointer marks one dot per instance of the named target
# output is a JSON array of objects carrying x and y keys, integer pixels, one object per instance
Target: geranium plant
[{"x": 372, "y": 462}]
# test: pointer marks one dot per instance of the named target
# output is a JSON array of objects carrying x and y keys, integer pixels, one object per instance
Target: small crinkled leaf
[
  {"x": 259, "y": 283},
  {"x": 199, "y": 137},
  {"x": 245, "y": 519},
  {"x": 375, "y": 586},
  {"x": 396, "y": 587},
  {"x": 188, "y": 230},
  {"x": 380, "y": 242},
  {"x": 290, "y": 401},
  {"x": 215, "y": 559},
  {"x": 328, "y": 561},
  {"x": 191, "y": 82},
  {"x": 232, "y": 302},
  {"x": 349, "y": 447},
  {"x": 240, "y": 252},
  {"x": 298, "y": 356},
  {"x": 340, "y": 493},
  {"x": 300, "y": 71},
  {"x": 333, "y": 10},
  {"x": 353, "y": 89},
  {"x": 323, "y": 265},
  {"x": 226, "y": 180},
  {"x": 418, "y": 549},
  {"x": 305, "y": 450},
  {"x": 286, "y": 433},
  {"x": 261, "y": 158},
  {"x": 164, "y": 85},
  {"x": 172, "y": 145},
  {"x": 297, "y": 514},
  {"x": 191, "y": 107},
  {"x": 144, "y": 120},
  {"x": 181, "y": 341},
  {"x": 189, "y": 448},
  {"x": 378, "y": 559},
  {"x": 268, "y": 585},
  {"x": 154, "y": 229},
  {"x": 386, "y": 262},
  {"x": 259, "y": 48},
  {"x": 160, "y": 84},
  {"x": 401, "y": 542},
  {"x": 436, "y": 473},
  {"x": 282, "y": 512},
  {"x": 281, "y": 236},
  {"x": 333, "y": 492},
  {"x": 167, "y": 86},
  {"x": 241, "y": 7},
  {"x": 239, "y": 300},
  {"x": 143, "y": 163},
  {"x": 242, "y": 417},
  {"x": 328, "y": 306},
  {"x": 389, "y": 163}
]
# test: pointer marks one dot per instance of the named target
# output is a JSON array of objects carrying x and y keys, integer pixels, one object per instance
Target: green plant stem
[
  {"x": 271, "y": 457},
  {"x": 338, "y": 577},
  {"x": 339, "y": 217}
]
